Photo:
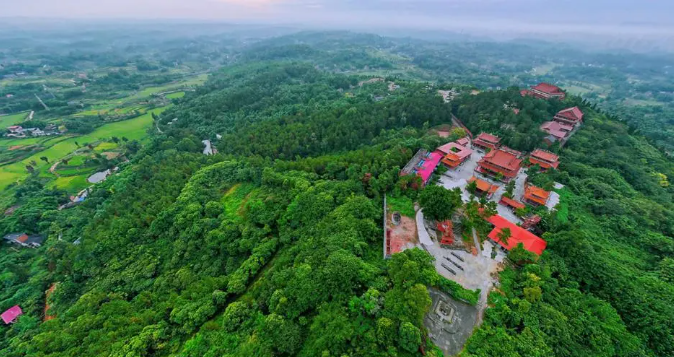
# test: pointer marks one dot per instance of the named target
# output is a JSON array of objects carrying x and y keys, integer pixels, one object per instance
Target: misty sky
[{"x": 600, "y": 16}]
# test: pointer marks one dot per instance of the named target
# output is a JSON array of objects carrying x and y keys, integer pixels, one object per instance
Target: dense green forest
[{"x": 273, "y": 246}]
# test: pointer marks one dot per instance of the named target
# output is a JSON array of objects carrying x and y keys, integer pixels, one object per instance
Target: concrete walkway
[
  {"x": 424, "y": 238},
  {"x": 477, "y": 242}
]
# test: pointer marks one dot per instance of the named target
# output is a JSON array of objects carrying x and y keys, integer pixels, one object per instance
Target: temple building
[
  {"x": 569, "y": 116},
  {"x": 544, "y": 91},
  {"x": 486, "y": 141},
  {"x": 500, "y": 162},
  {"x": 544, "y": 159}
]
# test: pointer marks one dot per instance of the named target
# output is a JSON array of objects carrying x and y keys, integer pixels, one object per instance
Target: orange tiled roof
[
  {"x": 536, "y": 194},
  {"x": 512, "y": 203},
  {"x": 544, "y": 159},
  {"x": 484, "y": 186}
]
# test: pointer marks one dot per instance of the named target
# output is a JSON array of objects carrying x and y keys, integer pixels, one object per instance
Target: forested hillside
[{"x": 273, "y": 246}]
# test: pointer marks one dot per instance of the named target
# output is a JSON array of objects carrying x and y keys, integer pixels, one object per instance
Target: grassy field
[
  {"x": 9, "y": 120},
  {"x": 106, "y": 146},
  {"x": 133, "y": 129},
  {"x": 402, "y": 204},
  {"x": 175, "y": 95},
  {"x": 197, "y": 80},
  {"x": 71, "y": 184}
]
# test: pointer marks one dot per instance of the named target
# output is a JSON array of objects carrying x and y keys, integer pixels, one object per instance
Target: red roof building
[
  {"x": 463, "y": 141},
  {"x": 487, "y": 141},
  {"x": 544, "y": 159},
  {"x": 11, "y": 314},
  {"x": 546, "y": 91},
  {"x": 484, "y": 187},
  {"x": 511, "y": 203},
  {"x": 530, "y": 241},
  {"x": 536, "y": 195},
  {"x": 512, "y": 151},
  {"x": 570, "y": 116},
  {"x": 447, "y": 230},
  {"x": 456, "y": 154},
  {"x": 500, "y": 162},
  {"x": 558, "y": 130}
]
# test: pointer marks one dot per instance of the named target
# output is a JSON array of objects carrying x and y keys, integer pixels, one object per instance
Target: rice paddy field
[
  {"x": 9, "y": 120},
  {"x": 57, "y": 148}
]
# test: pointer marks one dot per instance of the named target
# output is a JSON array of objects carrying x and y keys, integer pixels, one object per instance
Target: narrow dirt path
[{"x": 52, "y": 169}]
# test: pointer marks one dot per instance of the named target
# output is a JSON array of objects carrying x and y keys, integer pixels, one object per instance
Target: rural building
[
  {"x": 484, "y": 188},
  {"x": 11, "y": 314},
  {"x": 487, "y": 141},
  {"x": 569, "y": 116},
  {"x": 15, "y": 129},
  {"x": 455, "y": 154},
  {"x": 544, "y": 91},
  {"x": 423, "y": 164},
  {"x": 544, "y": 159},
  {"x": 513, "y": 204},
  {"x": 24, "y": 240},
  {"x": 446, "y": 228},
  {"x": 530, "y": 241},
  {"x": 499, "y": 162},
  {"x": 557, "y": 130},
  {"x": 536, "y": 195}
]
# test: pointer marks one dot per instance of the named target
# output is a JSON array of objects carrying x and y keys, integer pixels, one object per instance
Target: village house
[
  {"x": 499, "y": 162},
  {"x": 11, "y": 314},
  {"x": 423, "y": 164},
  {"x": 536, "y": 195},
  {"x": 557, "y": 131},
  {"x": 25, "y": 240},
  {"x": 455, "y": 153},
  {"x": 486, "y": 141},
  {"x": 15, "y": 129},
  {"x": 484, "y": 188},
  {"x": 569, "y": 116},
  {"x": 544, "y": 91},
  {"x": 530, "y": 241},
  {"x": 544, "y": 159}
]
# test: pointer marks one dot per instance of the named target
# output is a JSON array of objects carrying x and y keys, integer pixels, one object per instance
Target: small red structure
[
  {"x": 530, "y": 241},
  {"x": 447, "y": 230},
  {"x": 511, "y": 203},
  {"x": 484, "y": 187},
  {"x": 544, "y": 91},
  {"x": 569, "y": 116},
  {"x": 499, "y": 161},
  {"x": 531, "y": 222},
  {"x": 544, "y": 159},
  {"x": 536, "y": 195},
  {"x": 11, "y": 314},
  {"x": 487, "y": 141}
]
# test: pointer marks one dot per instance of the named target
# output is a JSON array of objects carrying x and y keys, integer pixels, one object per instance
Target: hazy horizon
[{"x": 619, "y": 23}]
